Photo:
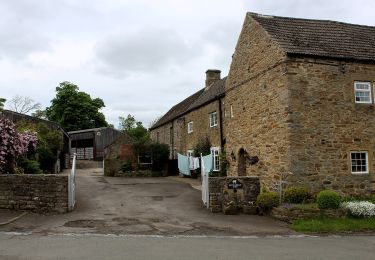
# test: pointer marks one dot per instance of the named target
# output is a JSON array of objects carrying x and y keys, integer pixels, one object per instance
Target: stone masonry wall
[
  {"x": 326, "y": 125},
  {"x": 256, "y": 105},
  {"x": 201, "y": 126},
  {"x": 177, "y": 145},
  {"x": 36, "y": 193},
  {"x": 217, "y": 188}
]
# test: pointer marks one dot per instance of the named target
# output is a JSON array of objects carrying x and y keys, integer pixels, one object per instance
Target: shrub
[
  {"x": 267, "y": 200},
  {"x": 297, "y": 194},
  {"x": 127, "y": 166},
  {"x": 360, "y": 209},
  {"x": 328, "y": 199},
  {"x": 30, "y": 166},
  {"x": 373, "y": 198},
  {"x": 160, "y": 156}
]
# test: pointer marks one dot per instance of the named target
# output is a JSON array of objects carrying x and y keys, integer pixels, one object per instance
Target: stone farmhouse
[{"x": 298, "y": 104}]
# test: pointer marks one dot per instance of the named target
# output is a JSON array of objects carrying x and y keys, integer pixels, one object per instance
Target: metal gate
[{"x": 72, "y": 185}]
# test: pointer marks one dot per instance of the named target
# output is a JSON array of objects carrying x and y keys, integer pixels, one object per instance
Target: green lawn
[{"x": 334, "y": 225}]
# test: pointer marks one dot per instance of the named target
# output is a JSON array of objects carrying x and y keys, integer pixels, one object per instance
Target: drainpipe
[{"x": 221, "y": 126}]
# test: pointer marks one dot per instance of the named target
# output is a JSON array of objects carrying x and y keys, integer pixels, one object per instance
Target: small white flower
[{"x": 360, "y": 208}]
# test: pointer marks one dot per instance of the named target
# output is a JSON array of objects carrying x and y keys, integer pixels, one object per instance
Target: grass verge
[{"x": 321, "y": 225}]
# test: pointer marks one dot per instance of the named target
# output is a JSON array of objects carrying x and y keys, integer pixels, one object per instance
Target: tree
[
  {"x": 134, "y": 129},
  {"x": 23, "y": 104},
  {"x": 40, "y": 113},
  {"x": 2, "y": 101},
  {"x": 127, "y": 123},
  {"x": 74, "y": 109}
]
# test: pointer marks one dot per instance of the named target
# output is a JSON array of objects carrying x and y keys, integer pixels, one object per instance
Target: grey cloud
[{"x": 147, "y": 50}]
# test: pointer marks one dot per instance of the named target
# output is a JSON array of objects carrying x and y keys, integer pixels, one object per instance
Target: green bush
[
  {"x": 297, "y": 194},
  {"x": 160, "y": 156},
  {"x": 127, "y": 166},
  {"x": 328, "y": 199},
  {"x": 267, "y": 200},
  {"x": 30, "y": 166},
  {"x": 373, "y": 198}
]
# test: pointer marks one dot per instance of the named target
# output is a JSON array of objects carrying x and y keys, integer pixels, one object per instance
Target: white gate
[
  {"x": 205, "y": 192},
  {"x": 72, "y": 185}
]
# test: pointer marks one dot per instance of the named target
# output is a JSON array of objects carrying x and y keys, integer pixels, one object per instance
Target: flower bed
[{"x": 362, "y": 209}]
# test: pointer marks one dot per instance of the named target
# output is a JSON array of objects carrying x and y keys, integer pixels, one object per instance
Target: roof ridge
[{"x": 252, "y": 14}]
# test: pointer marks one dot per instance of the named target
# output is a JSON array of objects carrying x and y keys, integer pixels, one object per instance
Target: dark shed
[{"x": 89, "y": 143}]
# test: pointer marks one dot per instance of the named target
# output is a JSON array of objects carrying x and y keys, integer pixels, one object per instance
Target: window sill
[{"x": 360, "y": 173}]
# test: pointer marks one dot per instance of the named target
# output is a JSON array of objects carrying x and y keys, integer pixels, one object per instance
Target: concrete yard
[{"x": 146, "y": 206}]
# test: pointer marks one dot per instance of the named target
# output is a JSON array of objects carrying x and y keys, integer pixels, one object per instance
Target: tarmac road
[
  {"x": 147, "y": 206},
  {"x": 68, "y": 246}
]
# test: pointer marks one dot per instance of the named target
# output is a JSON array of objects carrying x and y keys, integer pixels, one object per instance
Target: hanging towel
[
  {"x": 191, "y": 163},
  {"x": 183, "y": 164},
  {"x": 208, "y": 163},
  {"x": 196, "y": 163}
]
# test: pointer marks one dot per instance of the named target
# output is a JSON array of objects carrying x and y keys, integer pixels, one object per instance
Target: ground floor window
[
  {"x": 359, "y": 161},
  {"x": 215, "y": 155},
  {"x": 190, "y": 153}
]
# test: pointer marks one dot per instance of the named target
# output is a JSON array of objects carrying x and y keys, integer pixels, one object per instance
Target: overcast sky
[{"x": 140, "y": 56}]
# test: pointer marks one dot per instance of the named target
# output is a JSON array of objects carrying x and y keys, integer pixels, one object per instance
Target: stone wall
[
  {"x": 326, "y": 125},
  {"x": 201, "y": 126},
  {"x": 256, "y": 105},
  {"x": 177, "y": 143},
  {"x": 291, "y": 214},
  {"x": 219, "y": 193},
  {"x": 36, "y": 193}
]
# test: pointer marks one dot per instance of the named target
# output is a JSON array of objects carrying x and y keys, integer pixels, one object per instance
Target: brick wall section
[
  {"x": 251, "y": 189},
  {"x": 326, "y": 125},
  {"x": 257, "y": 92},
  {"x": 36, "y": 193},
  {"x": 118, "y": 153}
]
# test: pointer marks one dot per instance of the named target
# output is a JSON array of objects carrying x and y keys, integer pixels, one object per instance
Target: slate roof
[
  {"x": 177, "y": 110},
  {"x": 195, "y": 101},
  {"x": 320, "y": 38},
  {"x": 216, "y": 90}
]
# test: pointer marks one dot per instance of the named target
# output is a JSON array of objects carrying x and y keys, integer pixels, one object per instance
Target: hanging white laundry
[
  {"x": 196, "y": 163},
  {"x": 191, "y": 163}
]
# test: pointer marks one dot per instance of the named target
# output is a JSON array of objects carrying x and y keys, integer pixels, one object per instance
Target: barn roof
[{"x": 320, "y": 38}]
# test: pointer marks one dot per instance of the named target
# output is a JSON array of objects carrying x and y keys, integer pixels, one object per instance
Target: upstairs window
[
  {"x": 362, "y": 91},
  {"x": 190, "y": 127},
  {"x": 213, "y": 119},
  {"x": 359, "y": 161}
]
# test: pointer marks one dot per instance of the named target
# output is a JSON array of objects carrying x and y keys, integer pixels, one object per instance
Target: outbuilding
[{"x": 89, "y": 144}]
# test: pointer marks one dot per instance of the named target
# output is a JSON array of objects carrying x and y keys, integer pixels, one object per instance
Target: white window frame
[
  {"x": 351, "y": 163},
  {"x": 190, "y": 153},
  {"x": 190, "y": 127},
  {"x": 215, "y": 151},
  {"x": 231, "y": 111},
  {"x": 213, "y": 119},
  {"x": 356, "y": 89}
]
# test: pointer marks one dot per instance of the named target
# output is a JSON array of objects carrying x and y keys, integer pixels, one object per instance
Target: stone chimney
[{"x": 212, "y": 76}]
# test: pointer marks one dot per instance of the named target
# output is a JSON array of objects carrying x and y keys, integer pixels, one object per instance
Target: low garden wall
[
  {"x": 291, "y": 214},
  {"x": 233, "y": 194},
  {"x": 41, "y": 193}
]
